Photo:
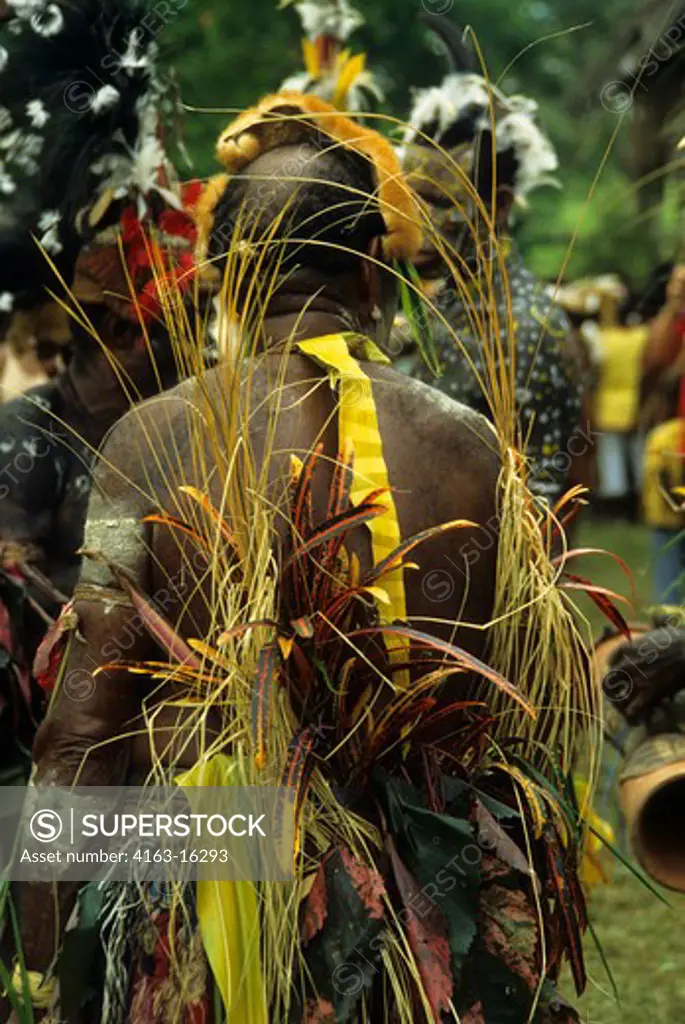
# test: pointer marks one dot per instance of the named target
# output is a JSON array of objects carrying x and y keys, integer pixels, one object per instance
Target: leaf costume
[{"x": 437, "y": 858}]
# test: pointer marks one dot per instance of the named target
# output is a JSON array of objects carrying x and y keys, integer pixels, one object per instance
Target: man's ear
[
  {"x": 380, "y": 291},
  {"x": 371, "y": 287}
]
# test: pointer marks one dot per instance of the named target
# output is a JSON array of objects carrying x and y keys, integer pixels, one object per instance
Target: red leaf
[
  {"x": 509, "y": 930},
  {"x": 301, "y": 524},
  {"x": 7, "y": 641},
  {"x": 175, "y": 524},
  {"x": 570, "y": 903},
  {"x": 319, "y": 1011},
  {"x": 493, "y": 837},
  {"x": 303, "y": 627},
  {"x": 51, "y": 658},
  {"x": 267, "y": 669},
  {"x": 44, "y": 658},
  {"x": 302, "y": 501},
  {"x": 163, "y": 632},
  {"x": 572, "y": 495},
  {"x": 395, "y": 559},
  {"x": 6, "y": 637},
  {"x": 244, "y": 627},
  {"x": 585, "y": 552},
  {"x": 213, "y": 514},
  {"x": 341, "y": 485},
  {"x": 316, "y": 907},
  {"x": 368, "y": 883},
  {"x": 461, "y": 658},
  {"x": 603, "y": 598},
  {"x": 339, "y": 526},
  {"x": 474, "y": 1015},
  {"x": 298, "y": 770},
  {"x": 581, "y": 583},
  {"x": 445, "y": 722},
  {"x": 191, "y": 192},
  {"x": 157, "y": 626},
  {"x": 427, "y": 936}
]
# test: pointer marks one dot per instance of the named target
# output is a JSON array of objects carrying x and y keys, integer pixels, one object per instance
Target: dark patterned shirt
[
  {"x": 44, "y": 480},
  {"x": 548, "y": 391}
]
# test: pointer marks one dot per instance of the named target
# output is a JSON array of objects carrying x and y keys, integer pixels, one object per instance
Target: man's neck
[
  {"x": 297, "y": 317},
  {"x": 292, "y": 327}
]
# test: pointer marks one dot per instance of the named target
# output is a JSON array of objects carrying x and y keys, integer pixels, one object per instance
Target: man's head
[
  {"x": 313, "y": 213},
  {"x": 470, "y": 150},
  {"x": 308, "y": 222}
]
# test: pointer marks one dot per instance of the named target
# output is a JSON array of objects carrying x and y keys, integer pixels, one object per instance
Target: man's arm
[
  {"x": 665, "y": 343},
  {"x": 84, "y": 738}
]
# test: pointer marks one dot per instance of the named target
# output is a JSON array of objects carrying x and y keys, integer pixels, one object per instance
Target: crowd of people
[
  {"x": 288, "y": 456},
  {"x": 633, "y": 409}
]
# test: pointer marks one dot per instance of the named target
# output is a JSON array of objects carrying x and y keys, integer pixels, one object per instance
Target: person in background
[
  {"x": 472, "y": 153},
  {"x": 579, "y": 301},
  {"x": 331, "y": 71},
  {"x": 663, "y": 395},
  {"x": 622, "y": 339},
  {"x": 33, "y": 349},
  {"x": 609, "y": 327},
  {"x": 663, "y": 390}
]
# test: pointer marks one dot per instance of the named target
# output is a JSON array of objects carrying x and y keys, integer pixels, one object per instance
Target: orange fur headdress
[{"x": 289, "y": 118}]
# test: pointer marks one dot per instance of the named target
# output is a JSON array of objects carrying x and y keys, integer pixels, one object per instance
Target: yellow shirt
[
  {"x": 664, "y": 468},
  {"x": 617, "y": 398}
]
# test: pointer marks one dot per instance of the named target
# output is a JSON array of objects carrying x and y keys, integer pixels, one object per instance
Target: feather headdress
[
  {"x": 466, "y": 109},
  {"x": 289, "y": 118},
  {"x": 332, "y": 72},
  {"x": 78, "y": 133}
]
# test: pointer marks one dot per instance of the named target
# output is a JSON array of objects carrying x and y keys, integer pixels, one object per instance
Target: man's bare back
[{"x": 442, "y": 462}]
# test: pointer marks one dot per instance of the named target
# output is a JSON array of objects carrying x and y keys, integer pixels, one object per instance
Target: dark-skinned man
[{"x": 305, "y": 225}]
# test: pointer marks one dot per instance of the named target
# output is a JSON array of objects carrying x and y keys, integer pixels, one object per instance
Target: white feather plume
[
  {"x": 48, "y": 225},
  {"x": 296, "y": 83},
  {"x": 27, "y": 9},
  {"x": 48, "y": 22},
  {"x": 465, "y": 95},
  {"x": 327, "y": 17},
  {"x": 136, "y": 171},
  {"x": 104, "y": 99}
]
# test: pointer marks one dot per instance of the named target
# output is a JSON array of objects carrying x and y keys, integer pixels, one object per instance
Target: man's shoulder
[
  {"x": 432, "y": 409},
  {"x": 141, "y": 450},
  {"x": 149, "y": 422}
]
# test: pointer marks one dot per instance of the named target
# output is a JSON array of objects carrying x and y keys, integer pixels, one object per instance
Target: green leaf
[
  {"x": 24, "y": 1007},
  {"x": 441, "y": 851},
  {"x": 605, "y": 962},
  {"x": 505, "y": 996},
  {"x": 418, "y": 316},
  {"x": 343, "y": 957},
  {"x": 81, "y": 949}
]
